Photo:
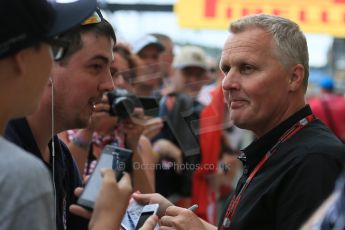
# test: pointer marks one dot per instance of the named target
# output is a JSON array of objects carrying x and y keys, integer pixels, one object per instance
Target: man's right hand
[{"x": 153, "y": 198}]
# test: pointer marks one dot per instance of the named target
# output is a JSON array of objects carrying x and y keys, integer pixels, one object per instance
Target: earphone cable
[{"x": 53, "y": 148}]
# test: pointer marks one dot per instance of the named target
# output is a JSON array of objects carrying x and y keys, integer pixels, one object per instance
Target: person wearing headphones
[
  {"x": 28, "y": 43},
  {"x": 82, "y": 56}
]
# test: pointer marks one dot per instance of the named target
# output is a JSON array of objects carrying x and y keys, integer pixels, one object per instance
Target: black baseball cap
[{"x": 25, "y": 22}]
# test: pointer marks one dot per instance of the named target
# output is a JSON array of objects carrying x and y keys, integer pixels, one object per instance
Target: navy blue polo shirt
[
  {"x": 67, "y": 176},
  {"x": 294, "y": 181}
]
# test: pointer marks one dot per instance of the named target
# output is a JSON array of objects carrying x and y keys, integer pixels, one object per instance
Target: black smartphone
[
  {"x": 147, "y": 211},
  {"x": 119, "y": 159}
]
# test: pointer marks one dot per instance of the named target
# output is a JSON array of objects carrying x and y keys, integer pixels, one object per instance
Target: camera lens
[
  {"x": 123, "y": 107},
  {"x": 121, "y": 102}
]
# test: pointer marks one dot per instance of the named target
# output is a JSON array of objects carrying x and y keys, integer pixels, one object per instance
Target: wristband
[{"x": 81, "y": 143}]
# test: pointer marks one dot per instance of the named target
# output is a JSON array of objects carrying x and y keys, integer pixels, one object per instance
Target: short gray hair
[{"x": 288, "y": 38}]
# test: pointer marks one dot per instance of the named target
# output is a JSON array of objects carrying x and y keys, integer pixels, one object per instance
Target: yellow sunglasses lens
[{"x": 93, "y": 19}]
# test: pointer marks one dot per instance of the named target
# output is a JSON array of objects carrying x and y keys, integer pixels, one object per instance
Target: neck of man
[
  {"x": 40, "y": 123},
  {"x": 280, "y": 117}
]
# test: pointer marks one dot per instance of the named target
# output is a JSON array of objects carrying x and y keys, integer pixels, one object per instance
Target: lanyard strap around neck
[{"x": 287, "y": 135}]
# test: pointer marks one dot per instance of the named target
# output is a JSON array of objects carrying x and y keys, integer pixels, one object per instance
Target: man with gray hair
[{"x": 292, "y": 165}]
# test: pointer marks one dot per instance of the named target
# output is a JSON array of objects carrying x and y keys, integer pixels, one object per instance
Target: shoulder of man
[
  {"x": 317, "y": 137},
  {"x": 13, "y": 130},
  {"x": 24, "y": 178}
]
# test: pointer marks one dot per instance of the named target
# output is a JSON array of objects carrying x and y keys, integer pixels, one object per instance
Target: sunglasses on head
[
  {"x": 95, "y": 18},
  {"x": 59, "y": 45}
]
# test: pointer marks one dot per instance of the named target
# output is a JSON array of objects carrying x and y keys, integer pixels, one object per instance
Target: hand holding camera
[
  {"x": 136, "y": 114},
  {"x": 99, "y": 113},
  {"x": 123, "y": 103},
  {"x": 134, "y": 127}
]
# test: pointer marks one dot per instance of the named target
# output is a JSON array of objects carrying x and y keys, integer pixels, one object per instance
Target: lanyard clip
[
  {"x": 226, "y": 222},
  {"x": 304, "y": 121},
  {"x": 242, "y": 157}
]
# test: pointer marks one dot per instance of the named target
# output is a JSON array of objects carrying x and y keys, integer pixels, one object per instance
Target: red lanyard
[{"x": 236, "y": 198}]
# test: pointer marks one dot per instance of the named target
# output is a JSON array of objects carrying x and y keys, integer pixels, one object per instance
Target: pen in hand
[{"x": 193, "y": 207}]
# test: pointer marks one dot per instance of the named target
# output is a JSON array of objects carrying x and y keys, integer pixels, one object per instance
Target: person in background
[
  {"x": 124, "y": 77},
  {"x": 178, "y": 143},
  {"x": 148, "y": 77},
  {"x": 166, "y": 59},
  {"x": 126, "y": 70},
  {"x": 191, "y": 71},
  {"x": 219, "y": 169},
  {"x": 79, "y": 80},
  {"x": 329, "y": 107},
  {"x": 215, "y": 76},
  {"x": 287, "y": 174},
  {"x": 149, "y": 80},
  {"x": 220, "y": 142},
  {"x": 125, "y": 67}
]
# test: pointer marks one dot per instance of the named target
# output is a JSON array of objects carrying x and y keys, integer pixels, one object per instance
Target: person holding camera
[
  {"x": 126, "y": 71},
  {"x": 78, "y": 80}
]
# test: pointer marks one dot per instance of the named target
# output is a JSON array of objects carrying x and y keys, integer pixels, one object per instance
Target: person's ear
[
  {"x": 296, "y": 77},
  {"x": 20, "y": 62}
]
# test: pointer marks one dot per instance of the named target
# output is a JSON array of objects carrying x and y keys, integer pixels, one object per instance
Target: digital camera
[{"x": 122, "y": 104}]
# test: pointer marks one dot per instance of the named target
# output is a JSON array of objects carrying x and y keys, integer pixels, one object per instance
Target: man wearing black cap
[
  {"x": 26, "y": 39},
  {"x": 79, "y": 79}
]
